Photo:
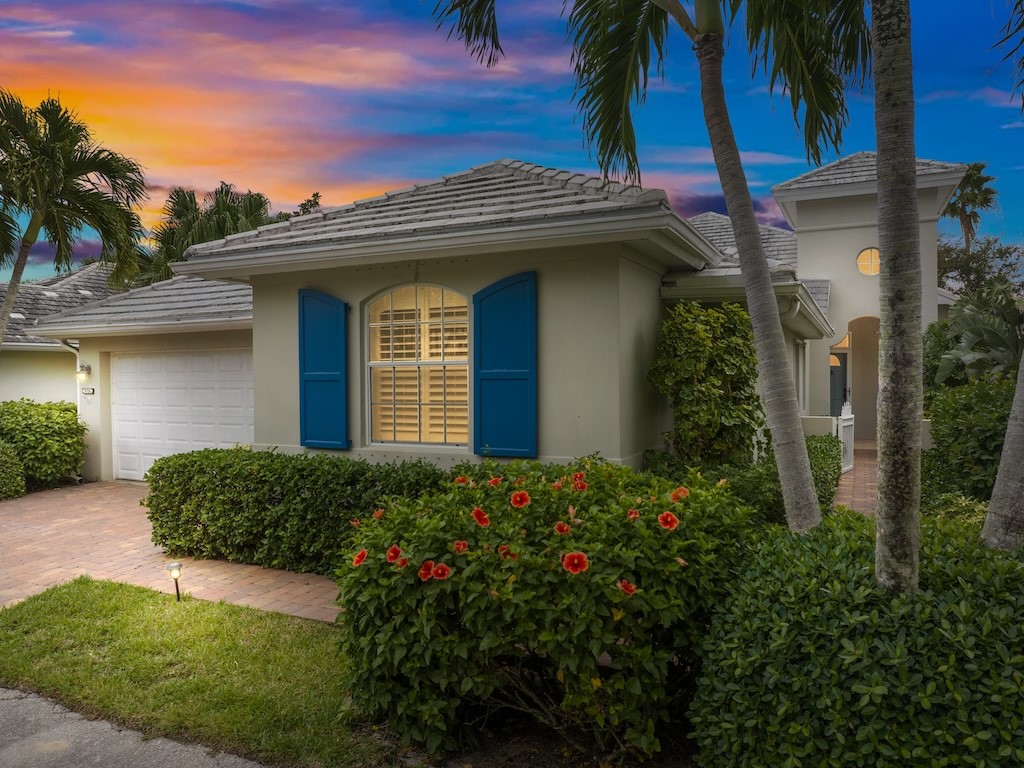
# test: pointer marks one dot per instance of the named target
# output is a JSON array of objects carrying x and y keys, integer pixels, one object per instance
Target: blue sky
[{"x": 355, "y": 98}]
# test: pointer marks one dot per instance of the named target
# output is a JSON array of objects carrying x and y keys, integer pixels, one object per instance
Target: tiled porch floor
[{"x": 858, "y": 488}]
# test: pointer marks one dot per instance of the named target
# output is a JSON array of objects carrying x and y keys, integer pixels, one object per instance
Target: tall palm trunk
[
  {"x": 27, "y": 241},
  {"x": 898, "y": 522},
  {"x": 1004, "y": 523},
  {"x": 776, "y": 379}
]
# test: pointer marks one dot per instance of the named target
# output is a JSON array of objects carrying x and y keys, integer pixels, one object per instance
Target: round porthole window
[{"x": 867, "y": 261}]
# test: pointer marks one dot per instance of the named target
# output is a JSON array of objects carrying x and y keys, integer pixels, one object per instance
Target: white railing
[{"x": 843, "y": 426}]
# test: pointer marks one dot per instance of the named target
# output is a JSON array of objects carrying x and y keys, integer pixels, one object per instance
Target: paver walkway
[
  {"x": 101, "y": 530},
  {"x": 858, "y": 488}
]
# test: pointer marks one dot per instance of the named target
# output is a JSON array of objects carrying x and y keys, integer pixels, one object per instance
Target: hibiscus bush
[{"x": 576, "y": 594}]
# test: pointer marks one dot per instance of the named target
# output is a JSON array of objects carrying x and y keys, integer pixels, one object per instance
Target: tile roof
[
  {"x": 170, "y": 305},
  {"x": 502, "y": 194},
  {"x": 779, "y": 247},
  {"x": 858, "y": 168},
  {"x": 779, "y": 244},
  {"x": 54, "y": 294}
]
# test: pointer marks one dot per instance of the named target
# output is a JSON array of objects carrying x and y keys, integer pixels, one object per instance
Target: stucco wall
[
  {"x": 831, "y": 232},
  {"x": 43, "y": 376},
  {"x": 95, "y": 409},
  {"x": 583, "y": 389}
]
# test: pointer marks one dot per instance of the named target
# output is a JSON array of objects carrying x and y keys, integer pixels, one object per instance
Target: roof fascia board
[
  {"x": 32, "y": 346},
  {"x": 808, "y": 320},
  {"x": 661, "y": 234},
  {"x": 143, "y": 329}
]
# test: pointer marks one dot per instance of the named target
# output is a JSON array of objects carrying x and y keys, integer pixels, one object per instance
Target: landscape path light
[{"x": 175, "y": 570}]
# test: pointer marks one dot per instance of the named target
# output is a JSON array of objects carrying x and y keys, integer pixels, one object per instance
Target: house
[
  {"x": 40, "y": 368},
  {"x": 510, "y": 310}
]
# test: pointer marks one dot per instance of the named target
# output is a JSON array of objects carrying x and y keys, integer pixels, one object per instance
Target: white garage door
[{"x": 173, "y": 402}]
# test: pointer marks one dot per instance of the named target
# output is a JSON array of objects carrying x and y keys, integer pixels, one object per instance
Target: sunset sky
[{"x": 352, "y": 99}]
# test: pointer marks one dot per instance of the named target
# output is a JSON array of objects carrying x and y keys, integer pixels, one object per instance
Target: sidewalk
[{"x": 858, "y": 488}]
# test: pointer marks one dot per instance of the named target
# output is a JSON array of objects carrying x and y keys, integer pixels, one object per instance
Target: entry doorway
[{"x": 838, "y": 387}]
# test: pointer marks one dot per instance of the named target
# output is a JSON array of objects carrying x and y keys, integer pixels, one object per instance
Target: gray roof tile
[
  {"x": 855, "y": 169},
  {"x": 181, "y": 301},
  {"x": 51, "y": 295},
  {"x": 779, "y": 244},
  {"x": 505, "y": 193}
]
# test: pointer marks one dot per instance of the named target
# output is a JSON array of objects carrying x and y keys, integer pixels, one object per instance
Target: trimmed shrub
[
  {"x": 48, "y": 438},
  {"x": 757, "y": 484},
  {"x": 576, "y": 594},
  {"x": 955, "y": 506},
  {"x": 293, "y": 512},
  {"x": 707, "y": 366},
  {"x": 12, "y": 473},
  {"x": 968, "y": 428},
  {"x": 810, "y": 664}
]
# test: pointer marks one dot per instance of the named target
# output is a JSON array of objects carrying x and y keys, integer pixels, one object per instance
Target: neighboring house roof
[
  {"x": 860, "y": 168},
  {"x": 54, "y": 294},
  {"x": 500, "y": 206},
  {"x": 182, "y": 303}
]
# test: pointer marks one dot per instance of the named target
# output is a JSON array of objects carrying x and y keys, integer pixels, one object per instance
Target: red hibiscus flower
[
  {"x": 575, "y": 562},
  {"x": 627, "y": 587},
  {"x": 520, "y": 499},
  {"x": 426, "y": 571},
  {"x": 394, "y": 552},
  {"x": 668, "y": 521},
  {"x": 633, "y": 514},
  {"x": 562, "y": 528},
  {"x": 579, "y": 485},
  {"x": 557, "y": 485},
  {"x": 354, "y": 522},
  {"x": 378, "y": 514},
  {"x": 441, "y": 572},
  {"x": 401, "y": 562},
  {"x": 360, "y": 556},
  {"x": 460, "y": 480},
  {"x": 579, "y": 476},
  {"x": 680, "y": 493},
  {"x": 494, "y": 482},
  {"x": 461, "y": 546},
  {"x": 481, "y": 517},
  {"x": 505, "y": 550}
]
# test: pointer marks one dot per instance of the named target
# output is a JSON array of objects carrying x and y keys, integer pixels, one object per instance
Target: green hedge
[
  {"x": 576, "y": 594},
  {"x": 810, "y": 664},
  {"x": 12, "y": 473},
  {"x": 968, "y": 425},
  {"x": 757, "y": 484},
  {"x": 294, "y": 512},
  {"x": 49, "y": 440}
]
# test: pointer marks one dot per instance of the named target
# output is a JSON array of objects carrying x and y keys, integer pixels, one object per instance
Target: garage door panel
[{"x": 177, "y": 402}]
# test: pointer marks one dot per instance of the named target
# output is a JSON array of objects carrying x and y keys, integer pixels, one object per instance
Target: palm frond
[
  {"x": 813, "y": 50},
  {"x": 1013, "y": 40},
  {"x": 613, "y": 47},
  {"x": 475, "y": 23},
  {"x": 9, "y": 237}
]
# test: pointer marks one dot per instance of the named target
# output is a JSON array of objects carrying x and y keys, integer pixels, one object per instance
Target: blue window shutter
[
  {"x": 323, "y": 380},
  {"x": 505, "y": 368}
]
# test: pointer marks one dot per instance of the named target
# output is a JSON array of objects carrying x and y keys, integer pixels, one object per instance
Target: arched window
[{"x": 418, "y": 366}]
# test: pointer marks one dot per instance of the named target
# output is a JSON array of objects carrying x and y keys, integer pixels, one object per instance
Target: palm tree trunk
[
  {"x": 777, "y": 386},
  {"x": 27, "y": 241},
  {"x": 898, "y": 523},
  {"x": 1004, "y": 523}
]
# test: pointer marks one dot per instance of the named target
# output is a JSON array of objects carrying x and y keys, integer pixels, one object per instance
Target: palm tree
[
  {"x": 900, "y": 395},
  {"x": 224, "y": 211},
  {"x": 989, "y": 330},
  {"x": 54, "y": 173},
  {"x": 1004, "y": 523},
  {"x": 811, "y": 49},
  {"x": 972, "y": 196}
]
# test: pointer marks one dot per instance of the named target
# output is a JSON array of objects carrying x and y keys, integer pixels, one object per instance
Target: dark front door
[{"x": 838, "y": 393}]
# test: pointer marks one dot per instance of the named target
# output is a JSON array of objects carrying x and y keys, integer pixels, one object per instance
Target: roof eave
[
  {"x": 32, "y": 346},
  {"x": 660, "y": 234},
  {"x": 799, "y": 312},
  {"x": 145, "y": 329}
]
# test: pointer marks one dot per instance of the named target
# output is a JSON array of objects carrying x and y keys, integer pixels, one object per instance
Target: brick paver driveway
[{"x": 101, "y": 530}]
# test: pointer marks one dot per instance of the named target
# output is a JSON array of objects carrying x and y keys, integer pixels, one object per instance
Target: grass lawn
[{"x": 262, "y": 685}]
